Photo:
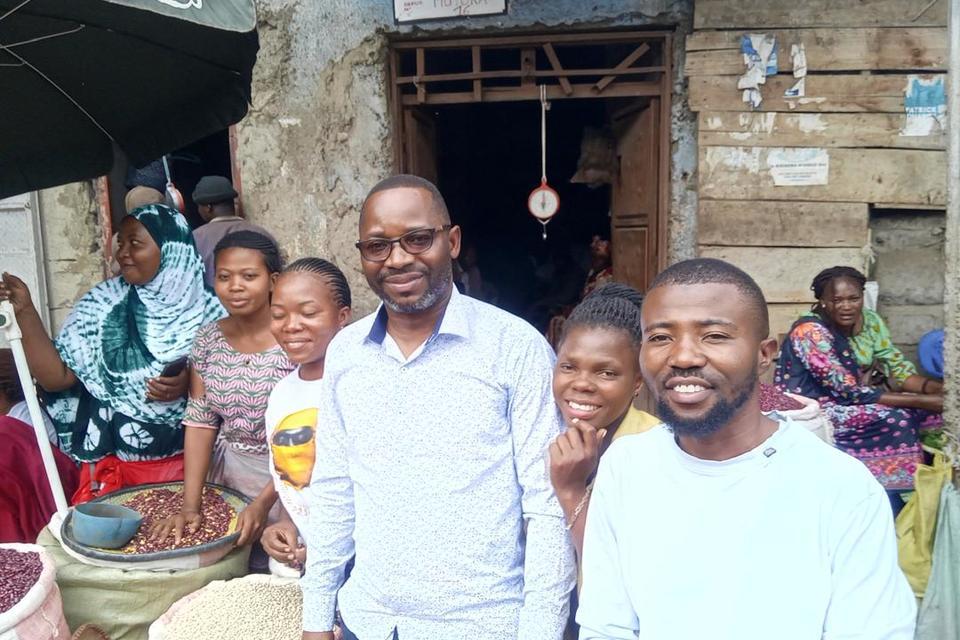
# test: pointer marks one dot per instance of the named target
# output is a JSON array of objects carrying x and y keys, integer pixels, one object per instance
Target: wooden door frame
[{"x": 611, "y": 86}]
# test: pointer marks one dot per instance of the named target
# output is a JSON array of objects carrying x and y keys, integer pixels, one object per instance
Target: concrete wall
[
  {"x": 71, "y": 246},
  {"x": 318, "y": 135},
  {"x": 909, "y": 249}
]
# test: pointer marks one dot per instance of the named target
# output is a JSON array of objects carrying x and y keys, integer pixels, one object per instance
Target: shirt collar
[{"x": 454, "y": 320}]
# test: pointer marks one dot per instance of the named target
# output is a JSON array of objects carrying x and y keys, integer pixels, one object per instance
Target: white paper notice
[
  {"x": 411, "y": 10},
  {"x": 798, "y": 167}
]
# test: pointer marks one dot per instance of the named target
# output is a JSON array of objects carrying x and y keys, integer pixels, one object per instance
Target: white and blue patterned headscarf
[{"x": 120, "y": 335}]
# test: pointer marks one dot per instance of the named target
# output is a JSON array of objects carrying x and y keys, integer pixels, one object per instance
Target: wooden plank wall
[{"x": 860, "y": 54}]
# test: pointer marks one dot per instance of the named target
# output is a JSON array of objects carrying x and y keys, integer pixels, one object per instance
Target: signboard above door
[{"x": 415, "y": 10}]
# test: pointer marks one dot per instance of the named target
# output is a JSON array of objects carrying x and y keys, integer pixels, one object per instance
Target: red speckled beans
[
  {"x": 157, "y": 504},
  {"x": 772, "y": 400},
  {"x": 18, "y": 572}
]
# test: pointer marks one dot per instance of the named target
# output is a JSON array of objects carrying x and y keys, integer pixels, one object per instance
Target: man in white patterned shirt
[{"x": 435, "y": 415}]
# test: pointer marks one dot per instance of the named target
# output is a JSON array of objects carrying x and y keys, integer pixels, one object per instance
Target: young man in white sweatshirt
[{"x": 723, "y": 523}]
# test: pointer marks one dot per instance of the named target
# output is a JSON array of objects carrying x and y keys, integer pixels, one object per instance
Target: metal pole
[
  {"x": 952, "y": 305},
  {"x": 8, "y": 323}
]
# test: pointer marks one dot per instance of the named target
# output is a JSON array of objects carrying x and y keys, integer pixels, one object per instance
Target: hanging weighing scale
[{"x": 543, "y": 202}]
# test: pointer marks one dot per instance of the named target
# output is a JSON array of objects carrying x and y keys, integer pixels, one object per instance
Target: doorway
[{"x": 467, "y": 117}]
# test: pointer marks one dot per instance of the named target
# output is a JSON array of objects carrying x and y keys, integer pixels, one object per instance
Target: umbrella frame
[{"x": 8, "y": 324}]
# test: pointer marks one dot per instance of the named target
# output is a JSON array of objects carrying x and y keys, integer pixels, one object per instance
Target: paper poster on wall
[
  {"x": 759, "y": 52},
  {"x": 798, "y": 167},
  {"x": 925, "y": 101},
  {"x": 413, "y": 10}
]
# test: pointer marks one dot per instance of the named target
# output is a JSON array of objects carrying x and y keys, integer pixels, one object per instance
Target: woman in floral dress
[{"x": 832, "y": 354}]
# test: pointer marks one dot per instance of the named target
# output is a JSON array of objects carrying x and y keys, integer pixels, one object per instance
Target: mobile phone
[{"x": 174, "y": 368}]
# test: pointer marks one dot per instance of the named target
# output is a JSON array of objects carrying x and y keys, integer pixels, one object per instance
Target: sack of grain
[
  {"x": 125, "y": 602},
  {"x": 256, "y": 606},
  {"x": 30, "y": 605}
]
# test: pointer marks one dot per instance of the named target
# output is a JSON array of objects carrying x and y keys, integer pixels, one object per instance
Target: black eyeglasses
[{"x": 413, "y": 242}]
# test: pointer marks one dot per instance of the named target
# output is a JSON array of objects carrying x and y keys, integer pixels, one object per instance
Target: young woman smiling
[
  {"x": 311, "y": 303},
  {"x": 236, "y": 363},
  {"x": 596, "y": 379}
]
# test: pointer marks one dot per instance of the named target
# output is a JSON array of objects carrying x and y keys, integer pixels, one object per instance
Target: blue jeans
[{"x": 349, "y": 635}]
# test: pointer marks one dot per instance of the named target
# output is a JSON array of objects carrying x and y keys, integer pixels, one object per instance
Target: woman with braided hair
[
  {"x": 235, "y": 363},
  {"x": 311, "y": 303},
  {"x": 831, "y": 355},
  {"x": 595, "y": 382}
]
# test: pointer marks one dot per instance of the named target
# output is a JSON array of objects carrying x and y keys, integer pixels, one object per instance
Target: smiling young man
[
  {"x": 723, "y": 523},
  {"x": 435, "y": 414}
]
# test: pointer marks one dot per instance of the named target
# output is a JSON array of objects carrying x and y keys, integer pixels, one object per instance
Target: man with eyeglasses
[{"x": 435, "y": 414}]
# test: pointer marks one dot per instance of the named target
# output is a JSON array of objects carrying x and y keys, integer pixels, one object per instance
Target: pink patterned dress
[{"x": 237, "y": 387}]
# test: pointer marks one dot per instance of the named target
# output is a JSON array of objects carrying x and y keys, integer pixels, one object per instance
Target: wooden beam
[
  {"x": 528, "y": 66},
  {"x": 910, "y": 207},
  {"x": 572, "y": 39},
  {"x": 891, "y": 49},
  {"x": 766, "y": 223},
  {"x": 903, "y": 176},
  {"x": 555, "y": 63},
  {"x": 516, "y": 73},
  {"x": 626, "y": 63},
  {"x": 784, "y": 273},
  {"x": 421, "y": 71},
  {"x": 665, "y": 151},
  {"x": 771, "y": 129},
  {"x": 477, "y": 68},
  {"x": 782, "y": 316},
  {"x": 772, "y": 14},
  {"x": 514, "y": 94},
  {"x": 843, "y": 93}
]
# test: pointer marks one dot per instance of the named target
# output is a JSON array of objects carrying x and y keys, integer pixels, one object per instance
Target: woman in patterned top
[
  {"x": 235, "y": 364},
  {"x": 104, "y": 391},
  {"x": 831, "y": 354}
]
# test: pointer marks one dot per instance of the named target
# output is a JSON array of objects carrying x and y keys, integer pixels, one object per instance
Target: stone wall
[
  {"x": 909, "y": 250},
  {"x": 71, "y": 246},
  {"x": 318, "y": 135}
]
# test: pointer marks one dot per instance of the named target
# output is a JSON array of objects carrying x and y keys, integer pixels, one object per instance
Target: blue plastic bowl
[{"x": 107, "y": 526}]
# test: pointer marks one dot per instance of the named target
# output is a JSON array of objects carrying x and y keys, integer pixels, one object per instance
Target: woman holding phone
[
  {"x": 102, "y": 379},
  {"x": 235, "y": 362}
]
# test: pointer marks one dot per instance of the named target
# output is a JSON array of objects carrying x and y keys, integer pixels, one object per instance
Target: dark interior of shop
[
  {"x": 488, "y": 161},
  {"x": 207, "y": 156}
]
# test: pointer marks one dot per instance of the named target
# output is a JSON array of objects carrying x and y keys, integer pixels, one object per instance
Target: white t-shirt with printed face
[{"x": 291, "y": 423}]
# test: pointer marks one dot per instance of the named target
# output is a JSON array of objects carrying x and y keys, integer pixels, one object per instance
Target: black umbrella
[{"x": 80, "y": 76}]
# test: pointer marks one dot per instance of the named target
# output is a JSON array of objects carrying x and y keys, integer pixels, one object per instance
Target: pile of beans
[
  {"x": 156, "y": 504},
  {"x": 261, "y": 609},
  {"x": 771, "y": 399},
  {"x": 19, "y": 571}
]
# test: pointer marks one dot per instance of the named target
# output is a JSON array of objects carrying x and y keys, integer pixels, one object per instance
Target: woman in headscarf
[
  {"x": 113, "y": 410},
  {"x": 830, "y": 355}
]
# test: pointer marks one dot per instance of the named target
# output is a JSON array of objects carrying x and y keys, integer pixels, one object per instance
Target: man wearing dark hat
[{"x": 214, "y": 198}]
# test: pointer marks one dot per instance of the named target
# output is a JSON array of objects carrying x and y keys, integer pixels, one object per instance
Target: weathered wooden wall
[{"x": 860, "y": 55}]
